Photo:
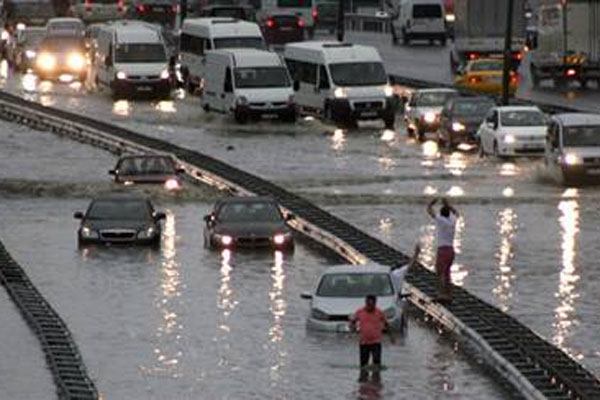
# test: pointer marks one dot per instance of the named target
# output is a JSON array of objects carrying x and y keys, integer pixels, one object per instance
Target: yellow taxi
[{"x": 485, "y": 75}]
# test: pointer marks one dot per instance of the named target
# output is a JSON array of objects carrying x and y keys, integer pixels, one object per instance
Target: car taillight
[
  {"x": 315, "y": 13},
  {"x": 88, "y": 5},
  {"x": 474, "y": 79},
  {"x": 270, "y": 23},
  {"x": 174, "y": 8},
  {"x": 300, "y": 23},
  {"x": 571, "y": 72},
  {"x": 473, "y": 56},
  {"x": 141, "y": 8},
  {"x": 121, "y": 6},
  {"x": 517, "y": 55}
]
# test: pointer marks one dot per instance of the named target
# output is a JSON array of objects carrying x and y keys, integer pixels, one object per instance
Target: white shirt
[
  {"x": 445, "y": 230},
  {"x": 398, "y": 276}
]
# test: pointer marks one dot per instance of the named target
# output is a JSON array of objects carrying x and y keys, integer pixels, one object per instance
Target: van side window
[
  {"x": 553, "y": 135},
  {"x": 302, "y": 71},
  {"x": 208, "y": 44},
  {"x": 227, "y": 83},
  {"x": 323, "y": 78},
  {"x": 292, "y": 67},
  {"x": 192, "y": 44}
]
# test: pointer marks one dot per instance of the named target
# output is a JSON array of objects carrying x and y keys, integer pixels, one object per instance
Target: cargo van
[
  {"x": 199, "y": 35},
  {"x": 422, "y": 20},
  {"x": 342, "y": 82},
  {"x": 248, "y": 83},
  {"x": 132, "y": 59}
]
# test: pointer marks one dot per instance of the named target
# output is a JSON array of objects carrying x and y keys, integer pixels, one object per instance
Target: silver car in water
[{"x": 341, "y": 291}]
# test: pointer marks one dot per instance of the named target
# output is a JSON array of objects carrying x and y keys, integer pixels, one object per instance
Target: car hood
[
  {"x": 468, "y": 119},
  {"x": 266, "y": 95},
  {"x": 117, "y": 224},
  {"x": 259, "y": 229},
  {"x": 425, "y": 110},
  {"x": 583, "y": 151},
  {"x": 536, "y": 131},
  {"x": 141, "y": 69},
  {"x": 348, "y": 305},
  {"x": 376, "y": 91},
  {"x": 150, "y": 178}
]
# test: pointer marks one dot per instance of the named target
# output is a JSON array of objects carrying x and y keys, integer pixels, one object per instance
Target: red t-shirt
[{"x": 370, "y": 325}]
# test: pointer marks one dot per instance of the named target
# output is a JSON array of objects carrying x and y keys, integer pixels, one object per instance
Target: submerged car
[
  {"x": 25, "y": 47},
  {"x": 511, "y": 131},
  {"x": 148, "y": 169},
  {"x": 120, "y": 219},
  {"x": 247, "y": 222},
  {"x": 572, "y": 154},
  {"x": 60, "y": 56},
  {"x": 422, "y": 113},
  {"x": 461, "y": 118},
  {"x": 341, "y": 291}
]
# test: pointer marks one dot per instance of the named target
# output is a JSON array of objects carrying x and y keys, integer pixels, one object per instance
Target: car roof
[
  {"x": 121, "y": 197},
  {"x": 357, "y": 269},
  {"x": 571, "y": 119},
  {"x": 247, "y": 199},
  {"x": 472, "y": 99},
  {"x": 517, "y": 108},
  {"x": 145, "y": 156},
  {"x": 437, "y": 90}
]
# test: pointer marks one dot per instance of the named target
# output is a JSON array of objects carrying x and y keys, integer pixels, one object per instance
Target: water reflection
[
  {"x": 459, "y": 272},
  {"x": 387, "y": 163},
  {"x": 278, "y": 308},
  {"x": 430, "y": 190},
  {"x": 430, "y": 149},
  {"x": 455, "y": 191},
  {"x": 29, "y": 82},
  {"x": 226, "y": 303},
  {"x": 507, "y": 227},
  {"x": 456, "y": 164},
  {"x": 4, "y": 70},
  {"x": 168, "y": 349},
  {"x": 122, "y": 108},
  {"x": 569, "y": 276},
  {"x": 508, "y": 192},
  {"x": 508, "y": 169},
  {"x": 338, "y": 140},
  {"x": 166, "y": 106},
  {"x": 388, "y": 136}
]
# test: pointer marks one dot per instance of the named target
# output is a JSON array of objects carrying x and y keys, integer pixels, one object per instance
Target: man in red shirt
[{"x": 371, "y": 323}]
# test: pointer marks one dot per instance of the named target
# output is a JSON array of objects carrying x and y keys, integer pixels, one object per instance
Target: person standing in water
[{"x": 445, "y": 227}]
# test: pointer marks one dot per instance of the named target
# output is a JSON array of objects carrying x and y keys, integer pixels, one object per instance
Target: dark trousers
[{"x": 370, "y": 350}]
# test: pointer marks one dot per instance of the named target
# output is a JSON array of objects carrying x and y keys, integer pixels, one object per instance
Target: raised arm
[{"x": 430, "y": 207}]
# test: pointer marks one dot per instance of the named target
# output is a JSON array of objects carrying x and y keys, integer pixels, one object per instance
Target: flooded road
[{"x": 184, "y": 322}]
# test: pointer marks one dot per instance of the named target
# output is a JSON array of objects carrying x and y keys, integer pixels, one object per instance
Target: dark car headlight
[
  {"x": 88, "y": 233},
  {"x": 225, "y": 240},
  {"x": 282, "y": 238},
  {"x": 318, "y": 314},
  {"x": 147, "y": 233}
]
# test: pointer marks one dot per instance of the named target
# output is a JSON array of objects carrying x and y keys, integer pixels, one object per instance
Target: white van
[
  {"x": 132, "y": 59},
  {"x": 201, "y": 34},
  {"x": 572, "y": 153},
  {"x": 248, "y": 83},
  {"x": 422, "y": 20},
  {"x": 342, "y": 82}
]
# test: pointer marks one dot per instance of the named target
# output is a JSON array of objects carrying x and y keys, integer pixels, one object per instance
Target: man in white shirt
[
  {"x": 445, "y": 226},
  {"x": 399, "y": 271}
]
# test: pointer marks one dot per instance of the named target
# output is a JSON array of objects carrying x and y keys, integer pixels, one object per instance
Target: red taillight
[
  {"x": 121, "y": 6},
  {"x": 141, "y": 8},
  {"x": 517, "y": 55},
  {"x": 473, "y": 56},
  {"x": 270, "y": 23},
  {"x": 174, "y": 8},
  {"x": 300, "y": 23},
  {"x": 315, "y": 13},
  {"x": 474, "y": 79},
  {"x": 571, "y": 72},
  {"x": 88, "y": 5}
]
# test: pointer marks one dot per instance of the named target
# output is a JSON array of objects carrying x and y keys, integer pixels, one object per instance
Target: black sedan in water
[
  {"x": 247, "y": 222},
  {"x": 156, "y": 169},
  {"x": 120, "y": 219},
  {"x": 460, "y": 119}
]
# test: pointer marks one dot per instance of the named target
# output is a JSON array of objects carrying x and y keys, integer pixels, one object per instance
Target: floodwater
[{"x": 184, "y": 322}]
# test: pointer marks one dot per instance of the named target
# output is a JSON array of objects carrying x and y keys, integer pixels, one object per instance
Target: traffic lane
[
  {"x": 23, "y": 368},
  {"x": 186, "y": 322},
  {"x": 540, "y": 258}
]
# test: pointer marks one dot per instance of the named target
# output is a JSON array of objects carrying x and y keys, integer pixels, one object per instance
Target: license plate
[
  {"x": 286, "y": 28},
  {"x": 368, "y": 114},
  {"x": 144, "y": 88},
  {"x": 269, "y": 116},
  {"x": 593, "y": 171},
  {"x": 531, "y": 146}
]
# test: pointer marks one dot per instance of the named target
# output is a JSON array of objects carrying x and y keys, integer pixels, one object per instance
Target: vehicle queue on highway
[{"x": 227, "y": 63}]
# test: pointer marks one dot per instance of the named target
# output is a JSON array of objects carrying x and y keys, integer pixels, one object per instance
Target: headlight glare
[
  {"x": 75, "y": 61},
  {"x": 88, "y": 233},
  {"x": 226, "y": 240},
  {"x": 572, "y": 159},
  {"x": 429, "y": 117},
  {"x": 30, "y": 53},
  {"x": 121, "y": 75},
  {"x": 172, "y": 184},
  {"x": 340, "y": 93},
  {"x": 46, "y": 61},
  {"x": 279, "y": 239},
  {"x": 146, "y": 233},
  {"x": 165, "y": 74},
  {"x": 509, "y": 139},
  {"x": 388, "y": 91},
  {"x": 458, "y": 127}
]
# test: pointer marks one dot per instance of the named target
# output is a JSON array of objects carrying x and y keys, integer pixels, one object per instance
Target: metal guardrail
[
  {"x": 534, "y": 367},
  {"x": 366, "y": 23},
  {"x": 62, "y": 355}
]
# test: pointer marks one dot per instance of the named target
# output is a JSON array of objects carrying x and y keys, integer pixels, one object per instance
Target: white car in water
[
  {"x": 511, "y": 131},
  {"x": 341, "y": 291}
]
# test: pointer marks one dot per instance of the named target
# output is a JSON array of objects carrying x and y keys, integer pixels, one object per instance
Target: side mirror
[
  {"x": 290, "y": 217},
  {"x": 296, "y": 86},
  {"x": 306, "y": 296},
  {"x": 78, "y": 215},
  {"x": 112, "y": 172},
  {"x": 159, "y": 215},
  {"x": 228, "y": 87}
]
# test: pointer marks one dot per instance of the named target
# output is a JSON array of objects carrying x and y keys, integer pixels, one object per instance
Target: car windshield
[
  {"x": 130, "y": 210},
  {"x": 249, "y": 212},
  {"x": 261, "y": 77},
  {"x": 427, "y": 11},
  {"x": 487, "y": 66},
  {"x": 146, "y": 166},
  {"x": 582, "y": 136},
  {"x": 358, "y": 74},
  {"x": 228, "y": 12},
  {"x": 355, "y": 285},
  {"x": 523, "y": 118},
  {"x": 240, "y": 43},
  {"x": 433, "y": 99},
  {"x": 65, "y": 27},
  {"x": 471, "y": 108},
  {"x": 33, "y": 37},
  {"x": 62, "y": 44},
  {"x": 140, "y": 52}
]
